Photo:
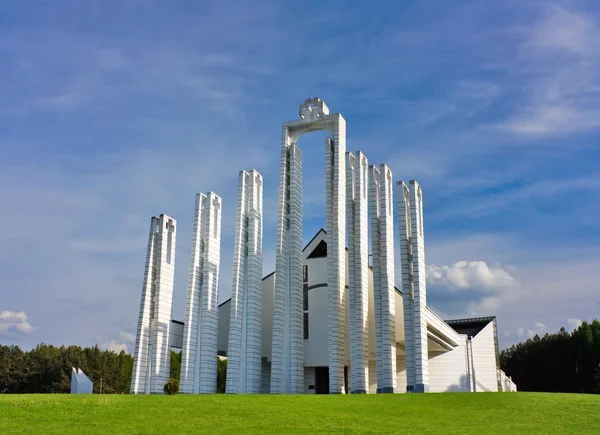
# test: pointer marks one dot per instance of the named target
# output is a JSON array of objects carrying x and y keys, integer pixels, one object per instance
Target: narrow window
[
  {"x": 217, "y": 212},
  {"x": 169, "y": 227},
  {"x": 305, "y": 326},
  {"x": 305, "y": 303}
]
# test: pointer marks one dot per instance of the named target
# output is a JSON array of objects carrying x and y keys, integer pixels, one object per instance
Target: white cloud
[
  {"x": 12, "y": 322},
  {"x": 122, "y": 342},
  {"x": 470, "y": 276},
  {"x": 469, "y": 288},
  {"x": 573, "y": 324},
  {"x": 541, "y": 276}
]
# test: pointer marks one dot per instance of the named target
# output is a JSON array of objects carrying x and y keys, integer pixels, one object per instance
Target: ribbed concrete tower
[
  {"x": 382, "y": 240},
  {"x": 287, "y": 366},
  {"x": 414, "y": 285},
  {"x": 357, "y": 214},
  {"x": 245, "y": 326},
  {"x": 199, "y": 353},
  {"x": 151, "y": 360}
]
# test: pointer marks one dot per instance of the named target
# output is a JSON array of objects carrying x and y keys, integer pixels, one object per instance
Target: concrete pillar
[
  {"x": 414, "y": 285},
  {"x": 357, "y": 217},
  {"x": 199, "y": 353},
  {"x": 335, "y": 184},
  {"x": 382, "y": 240},
  {"x": 151, "y": 363},
  {"x": 245, "y": 327},
  {"x": 287, "y": 366}
]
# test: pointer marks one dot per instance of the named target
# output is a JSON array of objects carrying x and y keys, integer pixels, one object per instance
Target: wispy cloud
[
  {"x": 561, "y": 56},
  {"x": 537, "y": 329}
]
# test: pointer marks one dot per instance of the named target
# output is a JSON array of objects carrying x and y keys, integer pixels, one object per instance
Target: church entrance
[{"x": 321, "y": 380}]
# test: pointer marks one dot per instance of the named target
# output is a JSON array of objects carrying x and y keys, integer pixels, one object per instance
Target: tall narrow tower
[
  {"x": 287, "y": 366},
  {"x": 151, "y": 361},
  {"x": 414, "y": 285},
  {"x": 245, "y": 324},
  {"x": 382, "y": 240},
  {"x": 357, "y": 216},
  {"x": 199, "y": 353}
]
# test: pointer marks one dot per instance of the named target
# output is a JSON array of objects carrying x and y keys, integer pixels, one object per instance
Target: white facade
[
  {"x": 506, "y": 383},
  {"x": 151, "y": 361},
  {"x": 199, "y": 353},
  {"x": 448, "y": 357},
  {"x": 80, "y": 383},
  {"x": 245, "y": 328}
]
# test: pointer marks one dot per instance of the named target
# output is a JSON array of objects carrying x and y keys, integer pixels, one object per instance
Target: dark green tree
[
  {"x": 175, "y": 365},
  {"x": 559, "y": 362},
  {"x": 221, "y": 375}
]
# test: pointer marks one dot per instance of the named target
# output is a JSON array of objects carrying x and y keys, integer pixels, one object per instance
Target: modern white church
[{"x": 329, "y": 319}]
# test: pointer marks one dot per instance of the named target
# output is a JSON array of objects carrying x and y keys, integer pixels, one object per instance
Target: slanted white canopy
[{"x": 80, "y": 383}]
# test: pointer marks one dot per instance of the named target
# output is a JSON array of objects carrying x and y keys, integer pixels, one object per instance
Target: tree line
[
  {"x": 561, "y": 362},
  {"x": 47, "y": 369}
]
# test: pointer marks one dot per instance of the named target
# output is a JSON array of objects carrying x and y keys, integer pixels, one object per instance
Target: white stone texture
[
  {"x": 287, "y": 366},
  {"x": 199, "y": 353},
  {"x": 335, "y": 182},
  {"x": 287, "y": 369},
  {"x": 151, "y": 356},
  {"x": 420, "y": 288},
  {"x": 414, "y": 285},
  {"x": 405, "y": 236},
  {"x": 382, "y": 240},
  {"x": 245, "y": 330},
  {"x": 358, "y": 269}
]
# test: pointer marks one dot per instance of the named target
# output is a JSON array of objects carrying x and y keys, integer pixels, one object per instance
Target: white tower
[
  {"x": 414, "y": 289},
  {"x": 287, "y": 366},
  {"x": 245, "y": 324},
  {"x": 382, "y": 240},
  {"x": 151, "y": 361},
  {"x": 199, "y": 353},
  {"x": 358, "y": 268}
]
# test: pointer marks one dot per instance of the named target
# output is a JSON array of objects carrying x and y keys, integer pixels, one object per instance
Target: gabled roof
[
  {"x": 321, "y": 231},
  {"x": 317, "y": 243}
]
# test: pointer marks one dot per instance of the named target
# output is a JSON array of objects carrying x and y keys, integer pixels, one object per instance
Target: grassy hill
[{"x": 455, "y": 413}]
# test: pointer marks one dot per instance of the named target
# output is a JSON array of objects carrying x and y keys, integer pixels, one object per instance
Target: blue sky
[{"x": 114, "y": 111}]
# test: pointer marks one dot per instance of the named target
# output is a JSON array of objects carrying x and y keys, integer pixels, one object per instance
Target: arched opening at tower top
[{"x": 312, "y": 145}]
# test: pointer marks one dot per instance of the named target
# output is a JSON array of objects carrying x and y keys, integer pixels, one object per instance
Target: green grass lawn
[{"x": 453, "y": 413}]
